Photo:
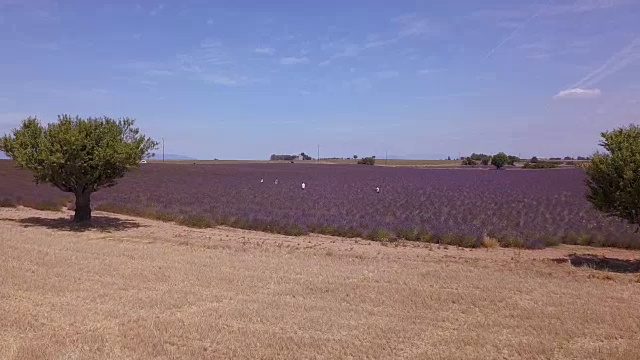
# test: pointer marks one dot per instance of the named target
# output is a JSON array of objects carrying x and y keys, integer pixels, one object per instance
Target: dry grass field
[{"x": 139, "y": 289}]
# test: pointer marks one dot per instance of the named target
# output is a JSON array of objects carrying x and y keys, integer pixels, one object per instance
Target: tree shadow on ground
[
  {"x": 98, "y": 222},
  {"x": 601, "y": 263}
]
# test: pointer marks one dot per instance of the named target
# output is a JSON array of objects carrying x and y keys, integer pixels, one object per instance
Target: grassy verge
[{"x": 381, "y": 235}]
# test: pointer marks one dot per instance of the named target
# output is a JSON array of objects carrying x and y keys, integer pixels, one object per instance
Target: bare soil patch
[{"x": 137, "y": 289}]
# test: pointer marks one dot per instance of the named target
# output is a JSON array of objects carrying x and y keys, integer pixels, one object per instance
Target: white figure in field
[
  {"x": 303, "y": 185},
  {"x": 378, "y": 190},
  {"x": 276, "y": 182},
  {"x": 261, "y": 181}
]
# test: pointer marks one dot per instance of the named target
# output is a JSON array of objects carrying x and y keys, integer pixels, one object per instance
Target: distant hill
[{"x": 171, "y": 157}]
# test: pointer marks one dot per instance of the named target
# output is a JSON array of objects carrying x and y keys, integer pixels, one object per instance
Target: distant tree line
[
  {"x": 276, "y": 157},
  {"x": 499, "y": 160}
]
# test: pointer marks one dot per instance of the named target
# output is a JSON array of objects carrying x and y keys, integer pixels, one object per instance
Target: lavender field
[{"x": 529, "y": 208}]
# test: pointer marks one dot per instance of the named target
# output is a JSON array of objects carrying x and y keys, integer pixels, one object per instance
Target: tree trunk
[{"x": 83, "y": 207}]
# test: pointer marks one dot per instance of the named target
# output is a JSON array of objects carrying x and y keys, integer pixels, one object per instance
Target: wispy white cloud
[
  {"x": 581, "y": 6},
  {"x": 539, "y": 55},
  {"x": 538, "y": 50},
  {"x": 409, "y": 25},
  {"x": 359, "y": 85},
  {"x": 148, "y": 68},
  {"x": 158, "y": 72},
  {"x": 52, "y": 46},
  {"x": 507, "y": 24},
  {"x": 451, "y": 95},
  {"x": 412, "y": 25},
  {"x": 156, "y": 10},
  {"x": 555, "y": 8},
  {"x": 538, "y": 45},
  {"x": 91, "y": 94},
  {"x": 292, "y": 60},
  {"x": 387, "y": 74},
  {"x": 264, "y": 50},
  {"x": 210, "y": 43},
  {"x": 221, "y": 79},
  {"x": 208, "y": 63},
  {"x": 578, "y": 93},
  {"x": 429, "y": 71},
  {"x": 209, "y": 21}
]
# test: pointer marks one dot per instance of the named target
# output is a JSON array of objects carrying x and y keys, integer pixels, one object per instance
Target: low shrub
[
  {"x": 511, "y": 241},
  {"x": 407, "y": 234},
  {"x": 45, "y": 205},
  {"x": 348, "y": 232},
  {"x": 294, "y": 230},
  {"x": 379, "y": 235},
  {"x": 195, "y": 221},
  {"x": 550, "y": 240},
  {"x": 490, "y": 243},
  {"x": 7, "y": 203},
  {"x": 367, "y": 161},
  {"x": 424, "y": 236},
  {"x": 469, "y": 241},
  {"x": 469, "y": 162},
  {"x": 540, "y": 165},
  {"x": 534, "y": 244}
]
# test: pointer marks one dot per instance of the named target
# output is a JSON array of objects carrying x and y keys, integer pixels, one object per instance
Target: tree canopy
[
  {"x": 613, "y": 177},
  {"x": 78, "y": 155},
  {"x": 499, "y": 160}
]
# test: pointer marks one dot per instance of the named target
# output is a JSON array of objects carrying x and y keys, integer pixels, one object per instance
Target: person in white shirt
[
  {"x": 303, "y": 185},
  {"x": 276, "y": 182},
  {"x": 378, "y": 190}
]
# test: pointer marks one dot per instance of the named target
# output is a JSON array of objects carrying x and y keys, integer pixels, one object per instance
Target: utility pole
[
  {"x": 386, "y": 156},
  {"x": 163, "y": 149},
  {"x": 318, "y": 153}
]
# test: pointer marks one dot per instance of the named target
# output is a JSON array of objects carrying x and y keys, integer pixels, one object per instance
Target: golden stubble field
[{"x": 140, "y": 289}]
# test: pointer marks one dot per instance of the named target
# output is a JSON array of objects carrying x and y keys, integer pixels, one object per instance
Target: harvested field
[{"x": 140, "y": 289}]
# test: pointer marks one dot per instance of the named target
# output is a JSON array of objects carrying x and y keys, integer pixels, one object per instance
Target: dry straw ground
[{"x": 139, "y": 289}]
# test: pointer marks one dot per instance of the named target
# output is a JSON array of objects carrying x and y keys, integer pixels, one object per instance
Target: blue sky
[{"x": 245, "y": 79}]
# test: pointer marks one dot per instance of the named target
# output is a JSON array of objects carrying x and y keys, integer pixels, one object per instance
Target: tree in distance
[
  {"x": 367, "y": 161},
  {"x": 499, "y": 160},
  {"x": 76, "y": 155},
  {"x": 469, "y": 162},
  {"x": 613, "y": 177}
]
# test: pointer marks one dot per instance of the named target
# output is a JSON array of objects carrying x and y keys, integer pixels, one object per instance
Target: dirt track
[{"x": 143, "y": 289}]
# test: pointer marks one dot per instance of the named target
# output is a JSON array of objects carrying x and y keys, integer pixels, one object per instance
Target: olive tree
[
  {"x": 76, "y": 155},
  {"x": 499, "y": 160},
  {"x": 613, "y": 177}
]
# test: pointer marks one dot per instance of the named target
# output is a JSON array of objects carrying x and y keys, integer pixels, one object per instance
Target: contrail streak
[
  {"x": 514, "y": 32},
  {"x": 614, "y": 63}
]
